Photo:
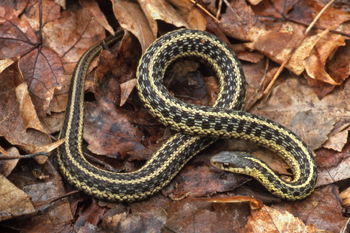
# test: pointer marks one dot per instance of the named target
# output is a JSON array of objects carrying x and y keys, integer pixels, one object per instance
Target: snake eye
[{"x": 226, "y": 165}]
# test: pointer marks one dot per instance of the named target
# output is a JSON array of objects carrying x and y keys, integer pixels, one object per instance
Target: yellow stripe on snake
[{"x": 198, "y": 126}]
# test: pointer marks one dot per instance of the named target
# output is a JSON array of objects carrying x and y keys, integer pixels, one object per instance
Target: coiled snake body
[{"x": 199, "y": 126}]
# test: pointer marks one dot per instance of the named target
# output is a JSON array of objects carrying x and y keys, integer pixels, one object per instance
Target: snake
[{"x": 197, "y": 127}]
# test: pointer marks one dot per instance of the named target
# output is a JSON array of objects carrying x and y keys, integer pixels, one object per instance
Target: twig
[
  {"x": 234, "y": 13},
  {"x": 318, "y": 27},
  {"x": 295, "y": 47},
  {"x": 219, "y": 9},
  {"x": 3, "y": 157},
  {"x": 259, "y": 90},
  {"x": 203, "y": 9}
]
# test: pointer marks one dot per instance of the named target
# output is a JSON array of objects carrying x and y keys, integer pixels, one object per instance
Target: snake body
[{"x": 198, "y": 126}]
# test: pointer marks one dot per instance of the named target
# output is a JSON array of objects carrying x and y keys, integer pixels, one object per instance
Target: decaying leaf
[
  {"x": 13, "y": 126},
  {"x": 42, "y": 41},
  {"x": 6, "y": 166},
  {"x": 14, "y": 202},
  {"x": 270, "y": 220}
]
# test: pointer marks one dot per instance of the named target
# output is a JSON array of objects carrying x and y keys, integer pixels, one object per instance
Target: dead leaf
[
  {"x": 14, "y": 202},
  {"x": 322, "y": 209},
  {"x": 190, "y": 14},
  {"x": 70, "y": 36},
  {"x": 26, "y": 107},
  {"x": 4, "y": 63},
  {"x": 93, "y": 215},
  {"x": 315, "y": 63},
  {"x": 126, "y": 89},
  {"x": 43, "y": 71},
  {"x": 329, "y": 175},
  {"x": 50, "y": 11},
  {"x": 206, "y": 217},
  {"x": 19, "y": 7},
  {"x": 270, "y": 27},
  {"x": 150, "y": 222},
  {"x": 250, "y": 31},
  {"x": 96, "y": 13},
  {"x": 300, "y": 110},
  {"x": 271, "y": 220},
  {"x": 117, "y": 133},
  {"x": 161, "y": 10},
  {"x": 345, "y": 195},
  {"x": 279, "y": 39},
  {"x": 3, "y": 151},
  {"x": 12, "y": 127},
  {"x": 131, "y": 17},
  {"x": 6, "y": 166},
  {"x": 337, "y": 67},
  {"x": 336, "y": 142},
  {"x": 17, "y": 36}
]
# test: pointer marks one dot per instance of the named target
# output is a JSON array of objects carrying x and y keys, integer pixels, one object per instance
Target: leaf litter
[{"x": 310, "y": 97}]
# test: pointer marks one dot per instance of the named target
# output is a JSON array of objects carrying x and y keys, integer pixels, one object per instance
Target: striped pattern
[{"x": 222, "y": 120}]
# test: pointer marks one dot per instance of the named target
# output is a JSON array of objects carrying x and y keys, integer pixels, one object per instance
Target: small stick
[{"x": 203, "y": 9}]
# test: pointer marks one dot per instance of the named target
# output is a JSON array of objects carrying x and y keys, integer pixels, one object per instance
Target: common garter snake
[{"x": 195, "y": 124}]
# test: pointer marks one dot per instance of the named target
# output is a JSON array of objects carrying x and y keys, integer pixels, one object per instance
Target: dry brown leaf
[
  {"x": 131, "y": 17},
  {"x": 322, "y": 208},
  {"x": 271, "y": 220},
  {"x": 19, "y": 7},
  {"x": 53, "y": 123},
  {"x": 254, "y": 2},
  {"x": 14, "y": 202},
  {"x": 125, "y": 90},
  {"x": 50, "y": 11},
  {"x": 57, "y": 218},
  {"x": 295, "y": 105},
  {"x": 43, "y": 71},
  {"x": 327, "y": 158},
  {"x": 6, "y": 166},
  {"x": 190, "y": 216},
  {"x": 279, "y": 39},
  {"x": 334, "y": 174},
  {"x": 117, "y": 133},
  {"x": 250, "y": 31},
  {"x": 45, "y": 148},
  {"x": 70, "y": 36},
  {"x": 56, "y": 215},
  {"x": 96, "y": 13},
  {"x": 140, "y": 222},
  {"x": 12, "y": 127},
  {"x": 336, "y": 142},
  {"x": 315, "y": 63},
  {"x": 26, "y": 107},
  {"x": 3, "y": 151},
  {"x": 4, "y": 63},
  {"x": 330, "y": 19},
  {"x": 273, "y": 9},
  {"x": 187, "y": 83},
  {"x": 345, "y": 195},
  {"x": 190, "y": 14},
  {"x": 161, "y": 10},
  {"x": 285, "y": 38},
  {"x": 17, "y": 36}
]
